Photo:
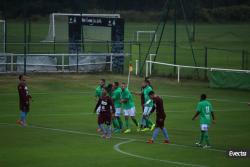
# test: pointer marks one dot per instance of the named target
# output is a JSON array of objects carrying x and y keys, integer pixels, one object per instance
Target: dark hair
[
  {"x": 116, "y": 83},
  {"x": 20, "y": 77},
  {"x": 123, "y": 83},
  {"x": 151, "y": 93},
  {"x": 203, "y": 96},
  {"x": 103, "y": 80},
  {"x": 108, "y": 88}
]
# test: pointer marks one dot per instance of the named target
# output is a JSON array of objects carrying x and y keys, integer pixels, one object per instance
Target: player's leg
[
  {"x": 126, "y": 114},
  {"x": 101, "y": 122},
  {"x": 116, "y": 120},
  {"x": 108, "y": 123},
  {"x": 160, "y": 123},
  {"x": 132, "y": 116},
  {"x": 202, "y": 136},
  {"x": 146, "y": 113},
  {"x": 206, "y": 138}
]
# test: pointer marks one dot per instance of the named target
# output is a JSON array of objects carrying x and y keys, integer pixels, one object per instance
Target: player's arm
[
  {"x": 97, "y": 105},
  {"x": 196, "y": 115},
  {"x": 213, "y": 117},
  {"x": 112, "y": 105},
  {"x": 136, "y": 93}
]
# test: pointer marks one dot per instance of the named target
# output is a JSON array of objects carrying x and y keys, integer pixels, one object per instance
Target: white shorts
[
  {"x": 98, "y": 110},
  {"x": 204, "y": 127},
  {"x": 118, "y": 112},
  {"x": 130, "y": 112},
  {"x": 147, "y": 110}
]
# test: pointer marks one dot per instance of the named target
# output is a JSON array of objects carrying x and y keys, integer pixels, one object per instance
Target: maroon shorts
[
  {"x": 105, "y": 118},
  {"x": 160, "y": 122}
]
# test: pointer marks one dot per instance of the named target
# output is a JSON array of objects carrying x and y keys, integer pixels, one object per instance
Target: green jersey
[
  {"x": 204, "y": 108},
  {"x": 147, "y": 100},
  {"x": 116, "y": 96},
  {"x": 98, "y": 91},
  {"x": 127, "y": 95}
]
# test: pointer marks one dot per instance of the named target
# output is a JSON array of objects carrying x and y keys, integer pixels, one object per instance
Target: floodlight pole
[
  {"x": 175, "y": 6},
  {"x": 25, "y": 47}
]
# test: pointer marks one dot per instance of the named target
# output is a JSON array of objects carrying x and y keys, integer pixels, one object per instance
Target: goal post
[
  {"x": 58, "y": 25},
  {"x": 152, "y": 35}
]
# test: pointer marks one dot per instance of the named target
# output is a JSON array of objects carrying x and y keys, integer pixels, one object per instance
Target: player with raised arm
[
  {"x": 147, "y": 106},
  {"x": 24, "y": 100},
  {"x": 116, "y": 96},
  {"x": 160, "y": 118},
  {"x": 128, "y": 107},
  {"x": 205, "y": 111},
  {"x": 105, "y": 103},
  {"x": 98, "y": 94}
]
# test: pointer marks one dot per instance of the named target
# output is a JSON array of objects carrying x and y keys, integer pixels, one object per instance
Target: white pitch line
[
  {"x": 45, "y": 115},
  {"x": 115, "y": 137},
  {"x": 117, "y": 148},
  {"x": 166, "y": 95}
]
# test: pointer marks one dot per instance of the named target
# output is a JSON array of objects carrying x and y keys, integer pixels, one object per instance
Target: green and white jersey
[
  {"x": 127, "y": 95},
  {"x": 204, "y": 107},
  {"x": 148, "y": 101},
  {"x": 98, "y": 91},
  {"x": 116, "y": 96}
]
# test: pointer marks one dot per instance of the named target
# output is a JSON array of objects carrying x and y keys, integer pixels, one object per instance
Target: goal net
[
  {"x": 58, "y": 28},
  {"x": 146, "y": 36}
]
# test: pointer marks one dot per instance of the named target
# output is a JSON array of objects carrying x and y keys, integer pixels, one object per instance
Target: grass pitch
[{"x": 62, "y": 126}]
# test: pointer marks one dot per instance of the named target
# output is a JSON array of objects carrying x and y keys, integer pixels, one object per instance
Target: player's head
[
  {"x": 104, "y": 91},
  {"x": 203, "y": 97},
  {"x": 151, "y": 94},
  {"x": 109, "y": 88},
  {"x": 123, "y": 86},
  {"x": 146, "y": 82},
  {"x": 115, "y": 85},
  {"x": 21, "y": 78},
  {"x": 102, "y": 82}
]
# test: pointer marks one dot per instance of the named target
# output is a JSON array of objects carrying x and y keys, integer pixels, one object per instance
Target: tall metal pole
[
  {"x": 175, "y": 12},
  {"x": 25, "y": 47},
  {"x": 194, "y": 20}
]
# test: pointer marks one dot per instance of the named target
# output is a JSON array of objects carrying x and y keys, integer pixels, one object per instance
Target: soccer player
[
  {"x": 98, "y": 94},
  {"x": 128, "y": 107},
  {"x": 24, "y": 100},
  {"x": 116, "y": 96},
  {"x": 160, "y": 118},
  {"x": 205, "y": 110},
  {"x": 148, "y": 106},
  {"x": 105, "y": 103}
]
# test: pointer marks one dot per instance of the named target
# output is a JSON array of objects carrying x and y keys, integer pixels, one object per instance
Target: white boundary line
[
  {"x": 117, "y": 148},
  {"x": 115, "y": 137},
  {"x": 163, "y": 95},
  {"x": 32, "y": 114}
]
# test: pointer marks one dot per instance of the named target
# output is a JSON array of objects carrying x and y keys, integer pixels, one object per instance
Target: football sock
[
  {"x": 143, "y": 122},
  {"x": 148, "y": 123},
  {"x": 206, "y": 138},
  {"x": 23, "y": 116},
  {"x": 120, "y": 122},
  {"x": 165, "y": 133},
  {"x": 116, "y": 123},
  {"x": 135, "y": 121},
  {"x": 127, "y": 123},
  {"x": 103, "y": 129},
  {"x": 109, "y": 130},
  {"x": 155, "y": 133},
  {"x": 202, "y": 137}
]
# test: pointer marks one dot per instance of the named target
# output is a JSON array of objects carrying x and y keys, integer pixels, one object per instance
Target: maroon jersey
[
  {"x": 24, "y": 97},
  {"x": 160, "y": 113},
  {"x": 106, "y": 105}
]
